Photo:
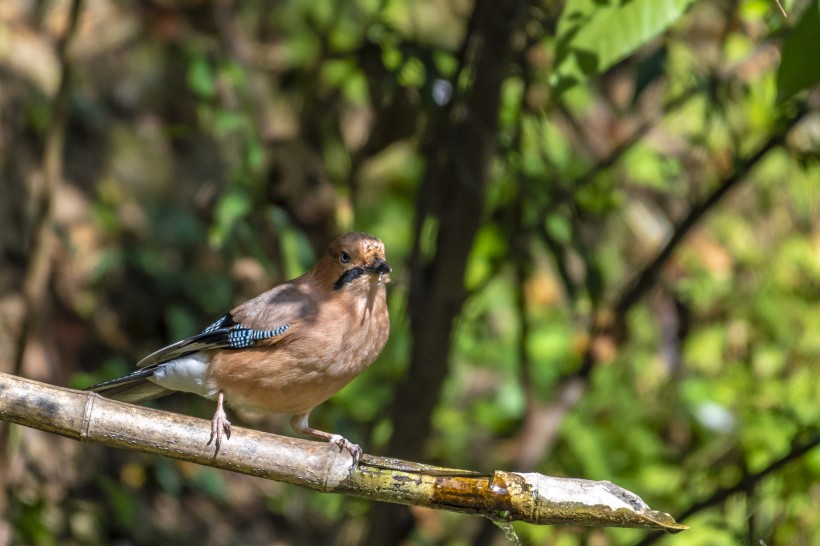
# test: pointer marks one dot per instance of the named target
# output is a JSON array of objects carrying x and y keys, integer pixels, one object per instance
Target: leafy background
[{"x": 603, "y": 216}]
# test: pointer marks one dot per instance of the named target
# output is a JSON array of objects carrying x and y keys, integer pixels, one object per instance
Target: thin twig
[
  {"x": 648, "y": 276},
  {"x": 571, "y": 386},
  {"x": 782, "y": 9}
]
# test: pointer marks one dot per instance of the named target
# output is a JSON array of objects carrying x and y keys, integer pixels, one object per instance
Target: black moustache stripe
[{"x": 349, "y": 276}]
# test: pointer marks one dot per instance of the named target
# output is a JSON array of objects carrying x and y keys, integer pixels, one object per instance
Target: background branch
[
  {"x": 570, "y": 389},
  {"x": 44, "y": 188},
  {"x": 44, "y": 185},
  {"x": 744, "y": 484}
]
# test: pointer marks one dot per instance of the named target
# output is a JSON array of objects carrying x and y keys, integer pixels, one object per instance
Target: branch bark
[{"x": 504, "y": 496}]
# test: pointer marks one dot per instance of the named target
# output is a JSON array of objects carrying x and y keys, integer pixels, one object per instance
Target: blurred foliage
[{"x": 214, "y": 148}]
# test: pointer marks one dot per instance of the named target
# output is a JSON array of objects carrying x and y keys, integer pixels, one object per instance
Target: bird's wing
[{"x": 267, "y": 319}]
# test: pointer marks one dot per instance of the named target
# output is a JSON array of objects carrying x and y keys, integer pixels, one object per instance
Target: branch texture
[{"x": 508, "y": 496}]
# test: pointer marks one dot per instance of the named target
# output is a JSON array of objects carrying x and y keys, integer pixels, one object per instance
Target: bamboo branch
[{"x": 505, "y": 496}]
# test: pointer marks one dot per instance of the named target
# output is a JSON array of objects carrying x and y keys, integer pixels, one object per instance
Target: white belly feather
[{"x": 188, "y": 373}]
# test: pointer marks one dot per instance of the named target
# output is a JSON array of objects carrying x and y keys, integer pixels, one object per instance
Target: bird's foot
[
  {"x": 300, "y": 425},
  {"x": 354, "y": 449},
  {"x": 219, "y": 425}
]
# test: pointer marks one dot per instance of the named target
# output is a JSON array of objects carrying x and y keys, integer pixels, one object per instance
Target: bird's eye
[{"x": 344, "y": 257}]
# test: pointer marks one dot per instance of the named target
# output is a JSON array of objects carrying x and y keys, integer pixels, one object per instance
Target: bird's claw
[
  {"x": 354, "y": 449},
  {"x": 219, "y": 424}
]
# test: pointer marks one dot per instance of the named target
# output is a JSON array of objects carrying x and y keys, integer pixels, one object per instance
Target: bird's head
[{"x": 354, "y": 261}]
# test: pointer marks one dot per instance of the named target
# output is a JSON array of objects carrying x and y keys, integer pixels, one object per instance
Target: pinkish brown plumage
[{"x": 284, "y": 351}]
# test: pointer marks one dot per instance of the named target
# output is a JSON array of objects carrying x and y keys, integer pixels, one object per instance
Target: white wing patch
[{"x": 188, "y": 373}]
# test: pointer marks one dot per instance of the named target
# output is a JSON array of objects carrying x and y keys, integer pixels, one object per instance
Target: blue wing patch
[
  {"x": 225, "y": 333},
  {"x": 241, "y": 338}
]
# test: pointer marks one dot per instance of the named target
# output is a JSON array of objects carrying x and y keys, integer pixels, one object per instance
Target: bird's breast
[{"x": 311, "y": 364}]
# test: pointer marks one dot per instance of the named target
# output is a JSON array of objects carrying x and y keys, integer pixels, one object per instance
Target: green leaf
[
  {"x": 799, "y": 68},
  {"x": 227, "y": 122},
  {"x": 201, "y": 78},
  {"x": 182, "y": 324},
  {"x": 210, "y": 482},
  {"x": 231, "y": 208},
  {"x": 559, "y": 227},
  {"x": 122, "y": 502},
  {"x": 168, "y": 476},
  {"x": 592, "y": 36}
]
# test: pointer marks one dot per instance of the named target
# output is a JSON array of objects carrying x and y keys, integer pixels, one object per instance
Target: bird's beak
[{"x": 379, "y": 266}]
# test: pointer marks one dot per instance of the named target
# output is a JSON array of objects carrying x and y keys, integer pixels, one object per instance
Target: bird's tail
[{"x": 134, "y": 387}]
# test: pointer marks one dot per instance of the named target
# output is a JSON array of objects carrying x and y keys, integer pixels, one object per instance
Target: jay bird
[{"x": 285, "y": 351}]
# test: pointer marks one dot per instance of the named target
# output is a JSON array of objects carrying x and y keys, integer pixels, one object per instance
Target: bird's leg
[
  {"x": 299, "y": 423},
  {"x": 219, "y": 423}
]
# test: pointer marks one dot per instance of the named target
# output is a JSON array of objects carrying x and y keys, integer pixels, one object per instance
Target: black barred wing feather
[
  {"x": 225, "y": 333},
  {"x": 225, "y": 321},
  {"x": 268, "y": 315}
]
